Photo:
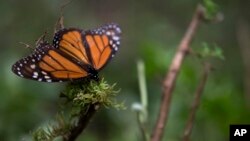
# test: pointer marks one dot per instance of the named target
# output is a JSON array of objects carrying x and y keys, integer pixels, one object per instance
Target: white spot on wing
[
  {"x": 116, "y": 38},
  {"x": 44, "y": 73},
  {"x": 108, "y": 33},
  {"x": 35, "y": 73},
  {"x": 46, "y": 77},
  {"x": 118, "y": 42},
  {"x": 33, "y": 66}
]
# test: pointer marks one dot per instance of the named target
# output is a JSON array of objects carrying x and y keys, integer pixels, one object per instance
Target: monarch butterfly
[{"x": 74, "y": 54}]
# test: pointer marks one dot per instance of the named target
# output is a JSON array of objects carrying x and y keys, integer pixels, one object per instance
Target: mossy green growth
[
  {"x": 83, "y": 93},
  {"x": 76, "y": 100},
  {"x": 52, "y": 132}
]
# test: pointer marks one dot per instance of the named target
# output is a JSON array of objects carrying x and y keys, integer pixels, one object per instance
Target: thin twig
[
  {"x": 169, "y": 82},
  {"x": 142, "y": 116},
  {"x": 82, "y": 123},
  {"x": 196, "y": 102},
  {"x": 143, "y": 91}
]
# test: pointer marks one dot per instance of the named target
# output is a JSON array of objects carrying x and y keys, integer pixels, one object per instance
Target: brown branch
[
  {"x": 196, "y": 102},
  {"x": 82, "y": 123},
  {"x": 169, "y": 82}
]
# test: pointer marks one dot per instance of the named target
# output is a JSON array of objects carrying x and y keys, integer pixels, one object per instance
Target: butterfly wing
[
  {"x": 49, "y": 64},
  {"x": 70, "y": 42},
  {"x": 94, "y": 47},
  {"x": 75, "y": 54},
  {"x": 102, "y": 44}
]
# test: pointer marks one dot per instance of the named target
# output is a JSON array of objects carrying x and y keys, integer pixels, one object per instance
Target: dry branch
[
  {"x": 169, "y": 81},
  {"x": 82, "y": 123},
  {"x": 196, "y": 102}
]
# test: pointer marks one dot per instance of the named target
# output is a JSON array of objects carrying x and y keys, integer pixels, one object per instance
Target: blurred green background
[{"x": 151, "y": 31}]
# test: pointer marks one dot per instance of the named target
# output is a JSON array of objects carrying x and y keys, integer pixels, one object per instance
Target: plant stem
[
  {"x": 142, "y": 116},
  {"x": 169, "y": 82},
  {"x": 82, "y": 123},
  {"x": 143, "y": 91},
  {"x": 196, "y": 102}
]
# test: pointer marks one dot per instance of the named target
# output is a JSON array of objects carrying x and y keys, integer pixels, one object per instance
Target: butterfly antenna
[
  {"x": 59, "y": 24},
  {"x": 64, "y": 5}
]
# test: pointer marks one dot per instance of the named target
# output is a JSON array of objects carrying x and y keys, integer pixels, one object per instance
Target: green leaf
[
  {"x": 211, "y": 9},
  {"x": 209, "y": 51}
]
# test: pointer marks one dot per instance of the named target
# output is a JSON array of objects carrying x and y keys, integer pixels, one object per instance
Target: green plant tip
[{"x": 211, "y": 9}]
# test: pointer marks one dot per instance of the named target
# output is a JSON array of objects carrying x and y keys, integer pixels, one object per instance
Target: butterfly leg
[
  {"x": 26, "y": 45},
  {"x": 41, "y": 39}
]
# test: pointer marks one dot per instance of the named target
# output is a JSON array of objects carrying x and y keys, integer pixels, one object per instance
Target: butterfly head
[
  {"x": 92, "y": 73},
  {"x": 94, "y": 77}
]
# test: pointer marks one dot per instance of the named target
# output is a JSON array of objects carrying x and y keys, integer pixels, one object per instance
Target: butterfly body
[{"x": 74, "y": 54}]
